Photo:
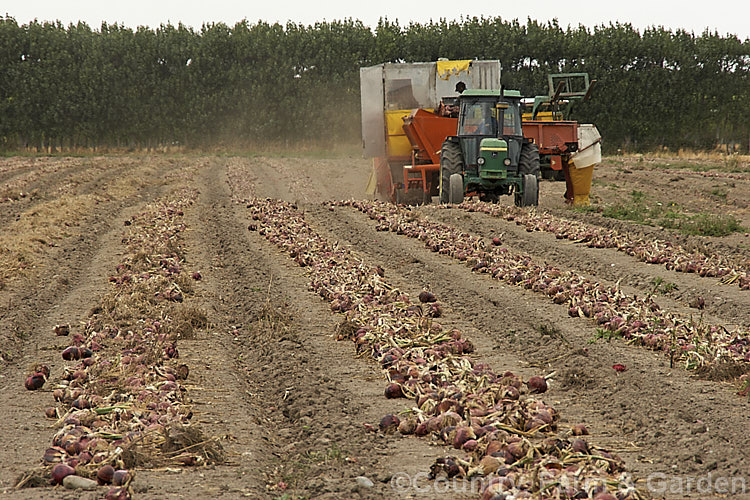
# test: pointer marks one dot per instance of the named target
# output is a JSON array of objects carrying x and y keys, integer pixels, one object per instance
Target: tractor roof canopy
[{"x": 490, "y": 93}]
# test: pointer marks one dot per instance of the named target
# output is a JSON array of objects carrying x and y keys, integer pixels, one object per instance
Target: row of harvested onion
[
  {"x": 650, "y": 250},
  {"x": 503, "y": 433},
  {"x": 639, "y": 320},
  {"x": 121, "y": 402}
]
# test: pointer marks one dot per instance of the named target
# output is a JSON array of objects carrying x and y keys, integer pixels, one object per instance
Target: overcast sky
[{"x": 726, "y": 16}]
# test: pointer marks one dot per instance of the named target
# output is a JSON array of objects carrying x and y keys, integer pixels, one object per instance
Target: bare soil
[{"x": 288, "y": 401}]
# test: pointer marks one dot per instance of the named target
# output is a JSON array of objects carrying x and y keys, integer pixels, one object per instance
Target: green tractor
[{"x": 489, "y": 156}]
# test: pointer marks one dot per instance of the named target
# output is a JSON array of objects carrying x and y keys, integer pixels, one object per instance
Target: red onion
[
  {"x": 389, "y": 423},
  {"x": 393, "y": 390},
  {"x": 580, "y": 446},
  {"x": 463, "y": 434},
  {"x": 53, "y": 455},
  {"x": 517, "y": 449},
  {"x": 81, "y": 404},
  {"x": 71, "y": 353},
  {"x": 59, "y": 472},
  {"x": 58, "y": 394},
  {"x": 35, "y": 381},
  {"x": 118, "y": 493},
  {"x": 407, "y": 427},
  {"x": 537, "y": 384},
  {"x": 105, "y": 474},
  {"x": 470, "y": 445}
]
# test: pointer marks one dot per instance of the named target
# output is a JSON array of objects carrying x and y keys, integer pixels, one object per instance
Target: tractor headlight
[
  {"x": 480, "y": 161},
  {"x": 506, "y": 162}
]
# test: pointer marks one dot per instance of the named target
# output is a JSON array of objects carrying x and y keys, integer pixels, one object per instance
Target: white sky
[{"x": 726, "y": 16}]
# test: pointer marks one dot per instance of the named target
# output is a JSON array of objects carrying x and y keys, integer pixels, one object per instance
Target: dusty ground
[{"x": 287, "y": 399}]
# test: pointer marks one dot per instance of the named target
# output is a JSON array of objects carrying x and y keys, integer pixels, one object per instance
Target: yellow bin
[
  {"x": 582, "y": 166},
  {"x": 581, "y": 179}
]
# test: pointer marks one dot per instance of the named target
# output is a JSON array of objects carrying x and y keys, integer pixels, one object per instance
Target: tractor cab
[
  {"x": 488, "y": 115},
  {"x": 489, "y": 132},
  {"x": 489, "y": 150}
]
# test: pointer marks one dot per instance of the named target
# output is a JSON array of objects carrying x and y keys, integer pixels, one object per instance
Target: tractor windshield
[
  {"x": 478, "y": 117},
  {"x": 482, "y": 116}
]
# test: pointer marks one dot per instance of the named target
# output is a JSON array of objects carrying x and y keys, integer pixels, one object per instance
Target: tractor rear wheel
[
  {"x": 530, "y": 195},
  {"x": 456, "y": 194},
  {"x": 451, "y": 163},
  {"x": 528, "y": 163}
]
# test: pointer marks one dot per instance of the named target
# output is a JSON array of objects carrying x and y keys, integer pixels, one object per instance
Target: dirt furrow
[
  {"x": 643, "y": 411},
  {"x": 80, "y": 176}
]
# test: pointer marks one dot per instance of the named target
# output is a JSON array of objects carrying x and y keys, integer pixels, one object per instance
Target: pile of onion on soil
[
  {"x": 500, "y": 430},
  {"x": 639, "y": 320},
  {"x": 649, "y": 250},
  {"x": 121, "y": 399}
]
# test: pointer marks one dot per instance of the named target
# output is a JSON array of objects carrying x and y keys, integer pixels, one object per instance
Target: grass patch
[
  {"x": 632, "y": 210},
  {"x": 640, "y": 209},
  {"x": 587, "y": 209},
  {"x": 704, "y": 224}
]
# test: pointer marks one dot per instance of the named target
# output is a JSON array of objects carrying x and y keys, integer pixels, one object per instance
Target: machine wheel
[
  {"x": 456, "y": 194},
  {"x": 451, "y": 163},
  {"x": 530, "y": 195},
  {"x": 528, "y": 163}
]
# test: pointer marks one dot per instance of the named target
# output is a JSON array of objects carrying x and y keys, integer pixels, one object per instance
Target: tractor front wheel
[
  {"x": 530, "y": 195},
  {"x": 456, "y": 194},
  {"x": 451, "y": 163}
]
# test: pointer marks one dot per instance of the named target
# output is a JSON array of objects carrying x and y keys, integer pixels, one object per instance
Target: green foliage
[
  {"x": 704, "y": 224},
  {"x": 604, "y": 334},
  {"x": 632, "y": 210},
  {"x": 644, "y": 211},
  {"x": 660, "y": 286},
  {"x": 245, "y": 84}
]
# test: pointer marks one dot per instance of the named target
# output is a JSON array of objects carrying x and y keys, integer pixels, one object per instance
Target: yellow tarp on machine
[{"x": 447, "y": 68}]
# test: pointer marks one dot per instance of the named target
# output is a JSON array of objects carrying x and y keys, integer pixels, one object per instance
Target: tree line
[{"x": 226, "y": 86}]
